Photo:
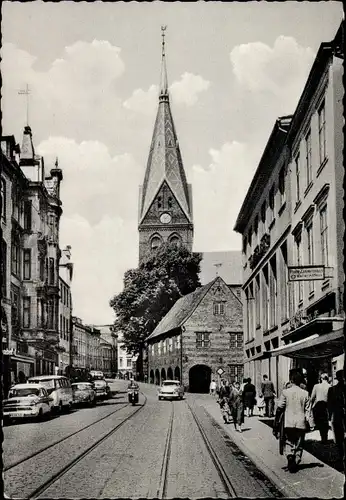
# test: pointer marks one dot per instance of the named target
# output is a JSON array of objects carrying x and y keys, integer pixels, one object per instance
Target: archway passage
[
  {"x": 157, "y": 377},
  {"x": 170, "y": 373},
  {"x": 163, "y": 374},
  {"x": 199, "y": 379},
  {"x": 177, "y": 373},
  {"x": 152, "y": 376}
]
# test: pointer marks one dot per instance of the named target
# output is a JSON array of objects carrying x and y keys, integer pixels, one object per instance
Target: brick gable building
[{"x": 200, "y": 334}]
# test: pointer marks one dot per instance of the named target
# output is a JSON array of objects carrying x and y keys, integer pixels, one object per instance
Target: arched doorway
[
  {"x": 152, "y": 376},
  {"x": 170, "y": 373},
  {"x": 199, "y": 379},
  {"x": 157, "y": 377},
  {"x": 177, "y": 373},
  {"x": 163, "y": 374}
]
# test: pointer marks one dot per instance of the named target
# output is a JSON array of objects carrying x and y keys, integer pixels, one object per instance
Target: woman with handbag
[{"x": 292, "y": 420}]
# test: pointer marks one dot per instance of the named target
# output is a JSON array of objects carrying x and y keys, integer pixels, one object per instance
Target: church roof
[
  {"x": 164, "y": 161},
  {"x": 227, "y": 264},
  {"x": 181, "y": 310}
]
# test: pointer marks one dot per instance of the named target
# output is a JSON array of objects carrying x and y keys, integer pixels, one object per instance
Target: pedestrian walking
[
  {"x": 268, "y": 391},
  {"x": 319, "y": 405},
  {"x": 212, "y": 388},
  {"x": 224, "y": 396},
  {"x": 336, "y": 409},
  {"x": 292, "y": 420},
  {"x": 249, "y": 397},
  {"x": 237, "y": 406},
  {"x": 260, "y": 405}
]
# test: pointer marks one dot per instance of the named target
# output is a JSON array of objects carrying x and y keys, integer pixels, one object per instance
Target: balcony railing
[{"x": 260, "y": 251}]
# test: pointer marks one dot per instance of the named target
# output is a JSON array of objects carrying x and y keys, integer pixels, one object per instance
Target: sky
[{"x": 94, "y": 69}]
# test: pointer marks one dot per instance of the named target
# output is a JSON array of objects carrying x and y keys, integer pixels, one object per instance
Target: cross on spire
[
  {"x": 27, "y": 93},
  {"x": 163, "y": 29},
  {"x": 164, "y": 83}
]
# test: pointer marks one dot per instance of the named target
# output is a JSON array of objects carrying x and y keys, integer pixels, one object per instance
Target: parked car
[
  {"x": 171, "y": 389},
  {"x": 83, "y": 393},
  {"x": 101, "y": 389},
  {"x": 27, "y": 400},
  {"x": 58, "y": 387}
]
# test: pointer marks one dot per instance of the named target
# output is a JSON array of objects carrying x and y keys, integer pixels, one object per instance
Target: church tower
[{"x": 165, "y": 198}]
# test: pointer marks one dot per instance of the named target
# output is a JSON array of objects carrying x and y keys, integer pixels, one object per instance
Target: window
[
  {"x": 15, "y": 307},
  {"x": 322, "y": 132},
  {"x": 202, "y": 339},
  {"x": 310, "y": 248},
  {"x": 297, "y": 162},
  {"x": 308, "y": 158},
  {"x": 272, "y": 198},
  {"x": 41, "y": 264},
  {"x": 155, "y": 242},
  {"x": 177, "y": 342},
  {"x": 263, "y": 216},
  {"x": 235, "y": 340},
  {"x": 299, "y": 284},
  {"x": 3, "y": 268},
  {"x": 174, "y": 240},
  {"x": 121, "y": 362},
  {"x": 219, "y": 308},
  {"x": 3, "y": 199},
  {"x": 51, "y": 271},
  {"x": 159, "y": 202},
  {"x": 129, "y": 363},
  {"x": 40, "y": 313},
  {"x": 273, "y": 291},
  {"x": 164, "y": 346},
  {"x": 236, "y": 373},
  {"x": 26, "y": 312},
  {"x": 27, "y": 215},
  {"x": 15, "y": 264},
  {"x": 324, "y": 235},
  {"x": 50, "y": 314},
  {"x": 266, "y": 298},
  {"x": 283, "y": 281},
  {"x": 257, "y": 301},
  {"x": 282, "y": 191},
  {"x": 61, "y": 325},
  {"x": 27, "y": 263},
  {"x": 159, "y": 348},
  {"x": 170, "y": 345}
]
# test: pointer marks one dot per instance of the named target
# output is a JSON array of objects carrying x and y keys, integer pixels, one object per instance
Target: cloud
[
  {"x": 184, "y": 91},
  {"x": 143, "y": 101},
  {"x": 187, "y": 89},
  {"x": 101, "y": 254},
  {"x": 218, "y": 193},
  {"x": 280, "y": 70}
]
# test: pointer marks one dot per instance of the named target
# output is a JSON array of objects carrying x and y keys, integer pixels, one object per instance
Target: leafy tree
[{"x": 151, "y": 290}]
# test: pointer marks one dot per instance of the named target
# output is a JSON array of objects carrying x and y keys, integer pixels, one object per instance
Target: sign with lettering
[
  {"x": 306, "y": 273},
  {"x": 8, "y": 352}
]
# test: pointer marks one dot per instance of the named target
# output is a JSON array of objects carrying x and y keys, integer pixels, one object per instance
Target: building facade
[
  {"x": 126, "y": 362},
  {"x": 31, "y": 215},
  {"x": 85, "y": 345},
  {"x": 292, "y": 217},
  {"x": 165, "y": 198},
  {"x": 65, "y": 311},
  {"x": 199, "y": 339},
  {"x": 108, "y": 350}
]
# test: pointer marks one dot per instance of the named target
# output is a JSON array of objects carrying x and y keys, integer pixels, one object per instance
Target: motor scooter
[{"x": 133, "y": 396}]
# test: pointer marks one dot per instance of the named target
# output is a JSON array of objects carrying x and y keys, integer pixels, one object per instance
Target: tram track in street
[
  {"x": 39, "y": 490},
  {"x": 61, "y": 440}
]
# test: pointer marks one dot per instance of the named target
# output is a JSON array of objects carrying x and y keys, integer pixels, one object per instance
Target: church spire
[{"x": 164, "y": 80}]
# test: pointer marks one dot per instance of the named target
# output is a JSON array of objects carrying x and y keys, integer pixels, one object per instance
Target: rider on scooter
[{"x": 133, "y": 384}]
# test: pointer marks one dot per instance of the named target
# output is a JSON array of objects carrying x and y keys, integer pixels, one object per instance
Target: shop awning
[{"x": 316, "y": 346}]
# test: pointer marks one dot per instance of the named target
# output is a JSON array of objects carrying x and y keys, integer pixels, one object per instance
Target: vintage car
[
  {"x": 83, "y": 393},
  {"x": 171, "y": 389},
  {"x": 101, "y": 389},
  {"x": 27, "y": 400}
]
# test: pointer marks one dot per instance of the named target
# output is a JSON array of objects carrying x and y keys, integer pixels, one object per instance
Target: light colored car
[
  {"x": 171, "y": 389},
  {"x": 83, "y": 393},
  {"x": 58, "y": 388},
  {"x": 27, "y": 400},
  {"x": 101, "y": 389}
]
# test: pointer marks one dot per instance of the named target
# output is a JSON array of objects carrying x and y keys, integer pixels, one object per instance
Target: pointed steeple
[
  {"x": 27, "y": 156},
  {"x": 164, "y": 161}
]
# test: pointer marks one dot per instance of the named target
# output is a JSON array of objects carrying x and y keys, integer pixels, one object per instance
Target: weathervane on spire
[
  {"x": 27, "y": 93},
  {"x": 163, "y": 29}
]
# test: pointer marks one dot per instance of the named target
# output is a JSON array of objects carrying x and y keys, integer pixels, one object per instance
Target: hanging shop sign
[
  {"x": 220, "y": 371},
  {"x": 306, "y": 273}
]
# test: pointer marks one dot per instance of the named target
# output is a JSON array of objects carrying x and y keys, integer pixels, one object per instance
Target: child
[{"x": 260, "y": 405}]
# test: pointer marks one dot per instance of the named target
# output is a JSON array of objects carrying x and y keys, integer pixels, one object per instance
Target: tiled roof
[
  {"x": 230, "y": 270},
  {"x": 181, "y": 310}
]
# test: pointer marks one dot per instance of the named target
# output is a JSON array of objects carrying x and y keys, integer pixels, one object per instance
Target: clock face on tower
[{"x": 165, "y": 218}]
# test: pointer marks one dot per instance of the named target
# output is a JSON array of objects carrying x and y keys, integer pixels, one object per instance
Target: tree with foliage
[{"x": 151, "y": 290}]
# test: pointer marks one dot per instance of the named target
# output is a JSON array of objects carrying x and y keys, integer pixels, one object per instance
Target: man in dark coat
[
  {"x": 249, "y": 397},
  {"x": 268, "y": 391},
  {"x": 336, "y": 410}
]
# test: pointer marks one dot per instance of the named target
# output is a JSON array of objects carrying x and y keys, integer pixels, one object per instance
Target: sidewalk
[{"x": 314, "y": 479}]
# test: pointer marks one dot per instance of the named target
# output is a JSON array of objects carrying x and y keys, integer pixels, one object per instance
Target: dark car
[{"x": 83, "y": 393}]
